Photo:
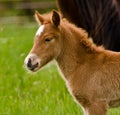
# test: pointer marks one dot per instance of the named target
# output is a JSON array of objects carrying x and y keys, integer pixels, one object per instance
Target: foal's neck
[
  {"x": 72, "y": 53},
  {"x": 76, "y": 49}
]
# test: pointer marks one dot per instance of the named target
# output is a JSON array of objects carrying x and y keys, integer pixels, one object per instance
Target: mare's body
[{"x": 100, "y": 18}]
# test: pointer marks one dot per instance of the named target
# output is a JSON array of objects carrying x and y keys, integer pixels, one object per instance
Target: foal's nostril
[
  {"x": 36, "y": 65},
  {"x": 29, "y": 64}
]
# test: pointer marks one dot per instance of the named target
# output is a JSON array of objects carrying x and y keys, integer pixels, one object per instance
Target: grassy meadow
[{"x": 25, "y": 93}]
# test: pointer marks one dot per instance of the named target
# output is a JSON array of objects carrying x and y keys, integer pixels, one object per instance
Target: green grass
[{"x": 24, "y": 93}]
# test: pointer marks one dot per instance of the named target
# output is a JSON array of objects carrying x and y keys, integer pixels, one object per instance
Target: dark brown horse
[{"x": 100, "y": 18}]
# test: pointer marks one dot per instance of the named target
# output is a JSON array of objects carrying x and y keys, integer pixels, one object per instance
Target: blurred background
[{"x": 15, "y": 11}]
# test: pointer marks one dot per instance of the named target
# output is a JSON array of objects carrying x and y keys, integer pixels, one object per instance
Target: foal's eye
[{"x": 47, "y": 39}]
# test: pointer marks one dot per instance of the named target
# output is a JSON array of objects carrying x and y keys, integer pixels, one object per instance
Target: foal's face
[{"x": 46, "y": 43}]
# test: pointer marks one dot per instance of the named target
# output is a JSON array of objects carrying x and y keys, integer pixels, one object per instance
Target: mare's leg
[{"x": 97, "y": 108}]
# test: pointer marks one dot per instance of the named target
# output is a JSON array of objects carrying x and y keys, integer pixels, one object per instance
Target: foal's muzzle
[{"x": 32, "y": 62}]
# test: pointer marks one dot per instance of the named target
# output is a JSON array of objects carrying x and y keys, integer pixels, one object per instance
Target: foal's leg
[{"x": 97, "y": 108}]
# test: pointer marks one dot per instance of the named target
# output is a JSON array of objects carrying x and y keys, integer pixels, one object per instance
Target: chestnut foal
[{"x": 91, "y": 73}]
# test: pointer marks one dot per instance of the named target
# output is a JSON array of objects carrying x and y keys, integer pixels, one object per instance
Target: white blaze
[{"x": 40, "y": 30}]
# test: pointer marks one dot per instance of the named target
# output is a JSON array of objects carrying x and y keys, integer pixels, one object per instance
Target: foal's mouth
[{"x": 33, "y": 67}]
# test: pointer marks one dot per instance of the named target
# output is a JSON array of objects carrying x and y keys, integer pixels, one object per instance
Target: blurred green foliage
[{"x": 19, "y": 7}]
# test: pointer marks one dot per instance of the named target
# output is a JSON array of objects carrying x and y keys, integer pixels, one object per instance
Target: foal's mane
[{"x": 83, "y": 37}]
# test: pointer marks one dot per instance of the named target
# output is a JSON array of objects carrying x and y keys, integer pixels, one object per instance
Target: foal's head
[{"x": 47, "y": 43}]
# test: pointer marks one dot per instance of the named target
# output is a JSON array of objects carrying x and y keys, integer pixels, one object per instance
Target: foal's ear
[
  {"x": 55, "y": 18},
  {"x": 39, "y": 18}
]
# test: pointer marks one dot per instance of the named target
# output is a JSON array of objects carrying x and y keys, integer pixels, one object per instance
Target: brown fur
[{"x": 92, "y": 74}]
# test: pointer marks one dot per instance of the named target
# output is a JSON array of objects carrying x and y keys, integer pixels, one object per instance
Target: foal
[{"x": 91, "y": 73}]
